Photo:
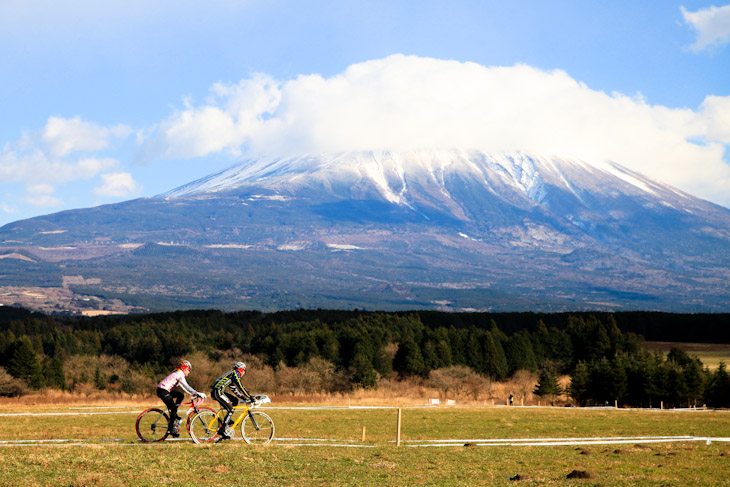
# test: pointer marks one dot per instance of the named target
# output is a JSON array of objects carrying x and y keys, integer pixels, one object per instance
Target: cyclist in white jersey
[{"x": 173, "y": 398}]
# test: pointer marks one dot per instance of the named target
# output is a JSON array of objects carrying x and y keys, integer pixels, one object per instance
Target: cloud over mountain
[{"x": 407, "y": 102}]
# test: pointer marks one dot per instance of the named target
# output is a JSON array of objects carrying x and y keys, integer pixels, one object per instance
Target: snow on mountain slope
[
  {"x": 408, "y": 177},
  {"x": 399, "y": 230}
]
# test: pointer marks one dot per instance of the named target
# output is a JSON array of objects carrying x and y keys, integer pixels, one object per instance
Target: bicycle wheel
[
  {"x": 152, "y": 425},
  {"x": 191, "y": 416},
  {"x": 204, "y": 426},
  {"x": 257, "y": 428}
]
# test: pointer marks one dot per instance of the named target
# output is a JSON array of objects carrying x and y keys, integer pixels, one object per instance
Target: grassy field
[
  {"x": 105, "y": 450},
  {"x": 711, "y": 354}
]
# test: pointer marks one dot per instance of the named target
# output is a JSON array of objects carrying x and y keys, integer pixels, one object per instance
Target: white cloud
[
  {"x": 41, "y": 189},
  {"x": 119, "y": 184},
  {"x": 6, "y": 208},
  {"x": 405, "y": 102},
  {"x": 41, "y": 195},
  {"x": 44, "y": 201},
  {"x": 712, "y": 25},
  {"x": 59, "y": 154},
  {"x": 224, "y": 124},
  {"x": 715, "y": 112},
  {"x": 64, "y": 136},
  {"x": 32, "y": 165}
]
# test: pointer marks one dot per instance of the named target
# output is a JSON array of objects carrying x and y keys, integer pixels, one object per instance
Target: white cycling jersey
[{"x": 177, "y": 378}]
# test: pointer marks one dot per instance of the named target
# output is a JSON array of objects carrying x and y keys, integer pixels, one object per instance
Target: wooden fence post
[{"x": 397, "y": 435}]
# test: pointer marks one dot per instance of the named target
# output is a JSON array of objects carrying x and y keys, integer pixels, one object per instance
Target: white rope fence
[{"x": 579, "y": 441}]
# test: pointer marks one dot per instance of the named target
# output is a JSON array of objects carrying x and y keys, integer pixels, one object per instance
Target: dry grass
[
  {"x": 389, "y": 392},
  {"x": 67, "y": 398},
  {"x": 129, "y": 463}
]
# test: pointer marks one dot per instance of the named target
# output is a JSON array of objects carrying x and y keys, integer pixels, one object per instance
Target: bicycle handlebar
[{"x": 197, "y": 401}]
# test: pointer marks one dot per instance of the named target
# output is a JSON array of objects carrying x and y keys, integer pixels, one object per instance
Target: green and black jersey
[{"x": 231, "y": 379}]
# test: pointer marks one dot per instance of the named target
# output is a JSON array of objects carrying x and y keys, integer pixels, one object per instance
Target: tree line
[{"x": 606, "y": 363}]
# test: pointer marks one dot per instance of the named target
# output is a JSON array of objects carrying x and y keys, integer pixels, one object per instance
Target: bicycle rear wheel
[
  {"x": 257, "y": 428},
  {"x": 204, "y": 426},
  {"x": 152, "y": 425}
]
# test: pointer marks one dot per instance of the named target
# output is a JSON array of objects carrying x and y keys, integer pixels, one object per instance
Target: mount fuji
[{"x": 429, "y": 229}]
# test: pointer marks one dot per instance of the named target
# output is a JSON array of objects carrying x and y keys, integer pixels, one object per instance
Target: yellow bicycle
[{"x": 256, "y": 428}]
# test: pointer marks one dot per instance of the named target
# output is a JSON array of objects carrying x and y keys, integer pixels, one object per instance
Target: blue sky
[{"x": 106, "y": 101}]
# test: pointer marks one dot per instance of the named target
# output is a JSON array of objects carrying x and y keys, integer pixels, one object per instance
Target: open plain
[{"x": 341, "y": 445}]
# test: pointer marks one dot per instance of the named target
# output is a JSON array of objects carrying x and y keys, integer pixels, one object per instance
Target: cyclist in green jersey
[{"x": 232, "y": 380}]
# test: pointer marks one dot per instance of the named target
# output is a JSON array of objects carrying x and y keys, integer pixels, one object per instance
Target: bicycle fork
[{"x": 253, "y": 421}]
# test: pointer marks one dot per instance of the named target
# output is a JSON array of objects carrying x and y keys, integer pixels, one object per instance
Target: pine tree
[
  {"x": 547, "y": 385},
  {"x": 495, "y": 362},
  {"x": 53, "y": 373},
  {"x": 364, "y": 374},
  {"x": 578, "y": 388},
  {"x": 694, "y": 377},
  {"x": 408, "y": 359},
  {"x": 24, "y": 363},
  {"x": 718, "y": 390},
  {"x": 519, "y": 353},
  {"x": 99, "y": 379},
  {"x": 443, "y": 351},
  {"x": 430, "y": 358},
  {"x": 473, "y": 350},
  {"x": 7, "y": 341}
]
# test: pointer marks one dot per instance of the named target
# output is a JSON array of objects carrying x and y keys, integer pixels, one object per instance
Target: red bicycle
[{"x": 153, "y": 424}]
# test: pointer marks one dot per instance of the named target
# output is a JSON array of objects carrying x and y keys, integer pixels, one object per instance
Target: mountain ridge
[{"x": 431, "y": 229}]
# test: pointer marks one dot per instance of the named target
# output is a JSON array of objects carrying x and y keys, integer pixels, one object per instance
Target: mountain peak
[
  {"x": 402, "y": 178},
  {"x": 442, "y": 229}
]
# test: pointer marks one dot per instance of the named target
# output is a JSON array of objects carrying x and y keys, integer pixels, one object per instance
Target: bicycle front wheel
[
  {"x": 204, "y": 426},
  {"x": 191, "y": 416},
  {"x": 152, "y": 425},
  {"x": 257, "y": 428}
]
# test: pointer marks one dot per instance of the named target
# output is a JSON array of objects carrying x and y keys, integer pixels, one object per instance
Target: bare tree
[
  {"x": 454, "y": 379},
  {"x": 525, "y": 382},
  {"x": 10, "y": 386},
  {"x": 478, "y": 384}
]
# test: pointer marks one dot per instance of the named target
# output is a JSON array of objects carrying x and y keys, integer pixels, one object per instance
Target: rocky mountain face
[{"x": 446, "y": 229}]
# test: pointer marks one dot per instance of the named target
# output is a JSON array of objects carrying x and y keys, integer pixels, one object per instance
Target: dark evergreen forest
[{"x": 604, "y": 353}]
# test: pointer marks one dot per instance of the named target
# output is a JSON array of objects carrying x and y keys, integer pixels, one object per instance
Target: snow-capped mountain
[
  {"x": 395, "y": 176},
  {"x": 446, "y": 229},
  {"x": 446, "y": 181}
]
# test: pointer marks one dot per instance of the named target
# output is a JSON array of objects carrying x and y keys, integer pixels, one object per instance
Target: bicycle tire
[
  {"x": 257, "y": 428},
  {"x": 152, "y": 425},
  {"x": 204, "y": 426},
  {"x": 191, "y": 416}
]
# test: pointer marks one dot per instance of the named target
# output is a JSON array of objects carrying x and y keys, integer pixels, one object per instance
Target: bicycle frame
[
  {"x": 193, "y": 403},
  {"x": 205, "y": 425},
  {"x": 245, "y": 408},
  {"x": 193, "y": 409},
  {"x": 159, "y": 420}
]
